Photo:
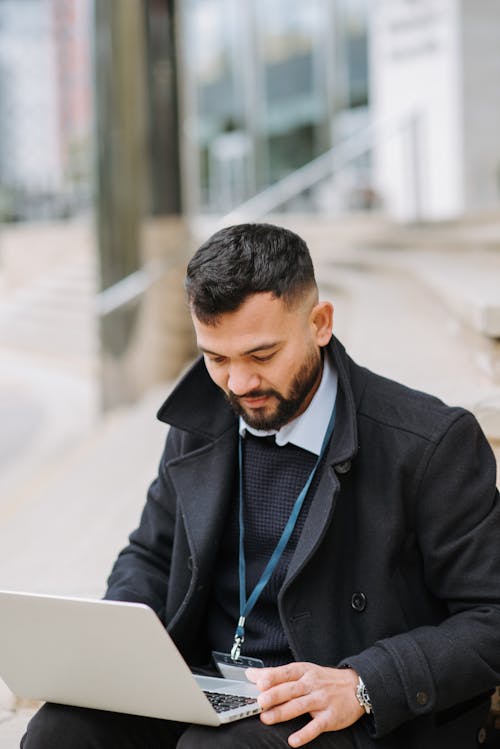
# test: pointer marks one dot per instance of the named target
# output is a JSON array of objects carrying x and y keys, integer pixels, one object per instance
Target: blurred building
[
  {"x": 262, "y": 88},
  {"x": 45, "y": 114},
  {"x": 30, "y": 157},
  {"x": 72, "y": 25},
  {"x": 435, "y": 66},
  {"x": 266, "y": 88}
]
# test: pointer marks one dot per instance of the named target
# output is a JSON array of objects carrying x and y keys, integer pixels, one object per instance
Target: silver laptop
[{"x": 110, "y": 656}]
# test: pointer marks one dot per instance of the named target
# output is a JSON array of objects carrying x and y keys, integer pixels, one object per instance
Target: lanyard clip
[
  {"x": 236, "y": 649},
  {"x": 239, "y": 639}
]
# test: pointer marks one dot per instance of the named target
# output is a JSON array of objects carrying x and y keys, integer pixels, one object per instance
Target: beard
[{"x": 288, "y": 407}]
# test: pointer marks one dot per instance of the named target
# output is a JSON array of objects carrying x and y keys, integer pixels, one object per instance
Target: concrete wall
[
  {"x": 435, "y": 69},
  {"x": 480, "y": 40}
]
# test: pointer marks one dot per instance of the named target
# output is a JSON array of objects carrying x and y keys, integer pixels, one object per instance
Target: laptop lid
[{"x": 107, "y": 655}]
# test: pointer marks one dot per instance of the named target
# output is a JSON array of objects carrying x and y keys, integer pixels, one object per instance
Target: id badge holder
[{"x": 235, "y": 669}]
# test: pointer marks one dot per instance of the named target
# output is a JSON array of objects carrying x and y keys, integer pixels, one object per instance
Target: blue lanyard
[{"x": 246, "y": 605}]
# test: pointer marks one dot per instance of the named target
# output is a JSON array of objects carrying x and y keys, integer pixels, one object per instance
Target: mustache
[{"x": 252, "y": 394}]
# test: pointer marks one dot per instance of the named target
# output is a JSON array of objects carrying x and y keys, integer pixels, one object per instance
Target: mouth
[{"x": 254, "y": 402}]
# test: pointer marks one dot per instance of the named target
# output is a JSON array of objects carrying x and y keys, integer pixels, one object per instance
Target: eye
[
  {"x": 216, "y": 359},
  {"x": 265, "y": 358}
]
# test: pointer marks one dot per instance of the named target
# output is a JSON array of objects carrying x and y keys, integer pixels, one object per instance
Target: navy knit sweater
[{"x": 272, "y": 480}]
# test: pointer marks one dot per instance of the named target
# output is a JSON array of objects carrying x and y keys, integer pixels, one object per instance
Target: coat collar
[{"x": 198, "y": 406}]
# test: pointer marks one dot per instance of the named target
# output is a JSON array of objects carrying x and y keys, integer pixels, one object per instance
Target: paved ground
[{"x": 12, "y": 727}]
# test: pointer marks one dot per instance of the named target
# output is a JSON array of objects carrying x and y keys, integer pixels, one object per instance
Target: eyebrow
[{"x": 260, "y": 347}]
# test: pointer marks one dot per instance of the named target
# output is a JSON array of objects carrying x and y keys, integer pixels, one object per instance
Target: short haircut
[{"x": 247, "y": 259}]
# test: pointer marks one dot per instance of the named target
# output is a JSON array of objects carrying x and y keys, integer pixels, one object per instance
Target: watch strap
[{"x": 362, "y": 696}]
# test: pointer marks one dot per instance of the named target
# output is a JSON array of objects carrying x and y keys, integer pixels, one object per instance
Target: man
[{"x": 378, "y": 618}]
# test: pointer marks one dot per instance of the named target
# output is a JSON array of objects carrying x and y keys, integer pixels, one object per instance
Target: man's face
[{"x": 266, "y": 357}]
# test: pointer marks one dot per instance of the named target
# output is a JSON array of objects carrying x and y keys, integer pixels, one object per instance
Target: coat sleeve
[
  {"x": 141, "y": 570},
  {"x": 457, "y": 521}
]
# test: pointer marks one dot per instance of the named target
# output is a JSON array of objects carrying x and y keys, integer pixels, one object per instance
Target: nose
[{"x": 241, "y": 379}]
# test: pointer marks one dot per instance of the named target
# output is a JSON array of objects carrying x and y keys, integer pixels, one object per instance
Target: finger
[
  {"x": 288, "y": 710},
  {"x": 306, "y": 734},
  {"x": 261, "y": 677},
  {"x": 281, "y": 693},
  {"x": 265, "y": 678}
]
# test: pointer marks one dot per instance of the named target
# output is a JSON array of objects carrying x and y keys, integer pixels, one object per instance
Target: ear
[{"x": 321, "y": 320}]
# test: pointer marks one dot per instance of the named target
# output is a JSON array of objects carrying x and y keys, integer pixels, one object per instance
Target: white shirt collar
[{"x": 307, "y": 430}]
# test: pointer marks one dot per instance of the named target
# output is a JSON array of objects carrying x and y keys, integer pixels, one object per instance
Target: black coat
[{"x": 396, "y": 572}]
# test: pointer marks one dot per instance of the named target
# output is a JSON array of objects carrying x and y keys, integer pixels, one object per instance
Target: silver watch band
[{"x": 362, "y": 696}]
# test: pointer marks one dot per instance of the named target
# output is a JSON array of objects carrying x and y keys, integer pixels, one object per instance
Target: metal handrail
[
  {"x": 130, "y": 288},
  {"x": 323, "y": 166}
]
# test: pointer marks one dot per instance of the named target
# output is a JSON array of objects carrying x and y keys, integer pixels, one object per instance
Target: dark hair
[{"x": 247, "y": 259}]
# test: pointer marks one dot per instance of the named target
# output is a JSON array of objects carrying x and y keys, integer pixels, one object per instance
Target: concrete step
[
  {"x": 54, "y": 313},
  {"x": 459, "y": 260},
  {"x": 46, "y": 409}
]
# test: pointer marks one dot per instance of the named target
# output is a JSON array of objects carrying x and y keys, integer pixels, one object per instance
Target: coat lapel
[
  {"x": 205, "y": 482},
  {"x": 341, "y": 452},
  {"x": 317, "y": 521},
  {"x": 204, "y": 479}
]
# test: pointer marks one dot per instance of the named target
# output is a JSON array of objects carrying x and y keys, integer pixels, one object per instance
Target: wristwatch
[{"x": 362, "y": 696}]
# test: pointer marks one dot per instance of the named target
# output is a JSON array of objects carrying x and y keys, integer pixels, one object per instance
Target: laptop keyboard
[{"x": 222, "y": 702}]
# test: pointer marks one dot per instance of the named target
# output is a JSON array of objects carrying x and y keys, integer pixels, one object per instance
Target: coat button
[
  {"x": 482, "y": 736},
  {"x": 343, "y": 467},
  {"x": 358, "y": 601},
  {"x": 190, "y": 563},
  {"x": 422, "y": 698}
]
